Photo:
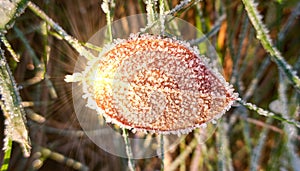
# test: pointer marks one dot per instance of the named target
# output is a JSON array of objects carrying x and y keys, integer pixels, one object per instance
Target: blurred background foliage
[{"x": 243, "y": 140}]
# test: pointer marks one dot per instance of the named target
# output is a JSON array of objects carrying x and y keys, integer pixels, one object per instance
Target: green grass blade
[{"x": 7, "y": 154}]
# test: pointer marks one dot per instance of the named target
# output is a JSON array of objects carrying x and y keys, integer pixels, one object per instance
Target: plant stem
[{"x": 263, "y": 112}]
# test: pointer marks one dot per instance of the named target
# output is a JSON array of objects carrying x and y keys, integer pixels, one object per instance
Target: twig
[{"x": 266, "y": 113}]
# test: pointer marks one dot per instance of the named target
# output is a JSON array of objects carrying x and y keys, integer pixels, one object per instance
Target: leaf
[{"x": 10, "y": 104}]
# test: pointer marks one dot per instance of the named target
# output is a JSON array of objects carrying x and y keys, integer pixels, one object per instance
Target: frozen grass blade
[
  {"x": 266, "y": 113},
  {"x": 257, "y": 151},
  {"x": 162, "y": 16},
  {"x": 254, "y": 82},
  {"x": 178, "y": 7},
  {"x": 224, "y": 155},
  {"x": 182, "y": 6},
  {"x": 12, "y": 108},
  {"x": 150, "y": 12},
  {"x": 9, "y": 48},
  {"x": 86, "y": 44},
  {"x": 290, "y": 130},
  {"x": 106, "y": 7},
  {"x": 235, "y": 73},
  {"x": 71, "y": 40},
  {"x": 263, "y": 36},
  {"x": 128, "y": 150}
]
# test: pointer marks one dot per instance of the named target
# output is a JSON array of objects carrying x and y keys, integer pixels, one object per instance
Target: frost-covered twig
[
  {"x": 263, "y": 36},
  {"x": 266, "y": 113}
]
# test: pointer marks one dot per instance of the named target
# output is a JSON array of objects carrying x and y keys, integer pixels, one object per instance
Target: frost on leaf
[{"x": 160, "y": 85}]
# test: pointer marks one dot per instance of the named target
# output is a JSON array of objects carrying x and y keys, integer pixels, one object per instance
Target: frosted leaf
[{"x": 155, "y": 84}]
